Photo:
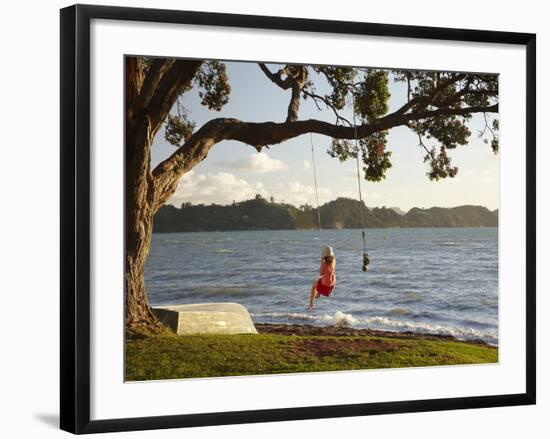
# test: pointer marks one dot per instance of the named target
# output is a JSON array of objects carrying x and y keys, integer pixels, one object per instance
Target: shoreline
[
  {"x": 292, "y": 329},
  {"x": 295, "y": 348}
]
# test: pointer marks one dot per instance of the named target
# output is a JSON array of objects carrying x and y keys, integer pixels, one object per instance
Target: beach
[{"x": 342, "y": 331}]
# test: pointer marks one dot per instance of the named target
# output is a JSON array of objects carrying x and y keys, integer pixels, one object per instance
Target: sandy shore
[{"x": 293, "y": 329}]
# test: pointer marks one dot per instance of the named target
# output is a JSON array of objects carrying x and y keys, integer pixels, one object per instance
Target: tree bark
[{"x": 139, "y": 228}]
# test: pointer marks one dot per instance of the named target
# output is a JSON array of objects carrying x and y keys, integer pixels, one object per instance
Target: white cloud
[
  {"x": 220, "y": 188},
  {"x": 225, "y": 187},
  {"x": 259, "y": 163},
  {"x": 374, "y": 195},
  {"x": 307, "y": 165},
  {"x": 347, "y": 194},
  {"x": 298, "y": 193}
]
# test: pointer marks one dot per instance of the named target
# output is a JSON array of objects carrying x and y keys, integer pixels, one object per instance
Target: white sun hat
[{"x": 327, "y": 251}]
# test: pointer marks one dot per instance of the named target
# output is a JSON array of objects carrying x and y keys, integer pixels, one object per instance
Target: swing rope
[
  {"x": 363, "y": 233},
  {"x": 366, "y": 260},
  {"x": 315, "y": 180}
]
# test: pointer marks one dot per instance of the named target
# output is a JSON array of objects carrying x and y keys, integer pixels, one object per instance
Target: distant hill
[
  {"x": 342, "y": 213},
  {"x": 398, "y": 210},
  {"x": 461, "y": 216}
]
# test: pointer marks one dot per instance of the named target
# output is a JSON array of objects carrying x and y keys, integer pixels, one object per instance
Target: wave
[
  {"x": 292, "y": 316},
  {"x": 234, "y": 290},
  {"x": 449, "y": 242},
  {"x": 399, "y": 311},
  {"x": 340, "y": 318}
]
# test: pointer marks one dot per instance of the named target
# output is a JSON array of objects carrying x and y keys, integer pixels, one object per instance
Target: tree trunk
[
  {"x": 138, "y": 204},
  {"x": 139, "y": 228},
  {"x": 149, "y": 98}
]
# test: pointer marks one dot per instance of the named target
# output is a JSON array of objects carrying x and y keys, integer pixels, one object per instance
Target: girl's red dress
[
  {"x": 328, "y": 276},
  {"x": 323, "y": 289}
]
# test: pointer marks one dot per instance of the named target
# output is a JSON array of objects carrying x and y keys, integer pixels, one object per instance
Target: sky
[{"x": 234, "y": 171}]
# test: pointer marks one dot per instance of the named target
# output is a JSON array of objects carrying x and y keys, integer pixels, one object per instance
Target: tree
[{"x": 438, "y": 107}]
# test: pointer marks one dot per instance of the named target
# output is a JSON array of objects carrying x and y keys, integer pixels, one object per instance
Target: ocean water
[{"x": 437, "y": 280}]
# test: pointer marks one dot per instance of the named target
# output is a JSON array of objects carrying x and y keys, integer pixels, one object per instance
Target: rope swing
[
  {"x": 315, "y": 180},
  {"x": 366, "y": 260}
]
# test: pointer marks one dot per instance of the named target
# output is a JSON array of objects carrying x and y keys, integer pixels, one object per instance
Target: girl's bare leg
[{"x": 312, "y": 296}]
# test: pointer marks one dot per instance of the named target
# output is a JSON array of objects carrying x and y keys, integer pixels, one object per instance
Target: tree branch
[
  {"x": 133, "y": 84},
  {"x": 325, "y": 101},
  {"x": 155, "y": 73},
  {"x": 421, "y": 143},
  {"x": 395, "y": 119},
  {"x": 276, "y": 78},
  {"x": 174, "y": 81},
  {"x": 262, "y": 134},
  {"x": 426, "y": 100},
  {"x": 294, "y": 80},
  {"x": 294, "y": 105},
  {"x": 487, "y": 127}
]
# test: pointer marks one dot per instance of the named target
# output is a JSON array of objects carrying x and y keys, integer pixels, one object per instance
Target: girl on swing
[{"x": 324, "y": 285}]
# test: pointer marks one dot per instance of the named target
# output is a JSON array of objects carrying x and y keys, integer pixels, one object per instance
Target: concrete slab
[{"x": 206, "y": 318}]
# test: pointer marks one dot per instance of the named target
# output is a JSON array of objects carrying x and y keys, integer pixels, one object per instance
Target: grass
[{"x": 193, "y": 356}]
